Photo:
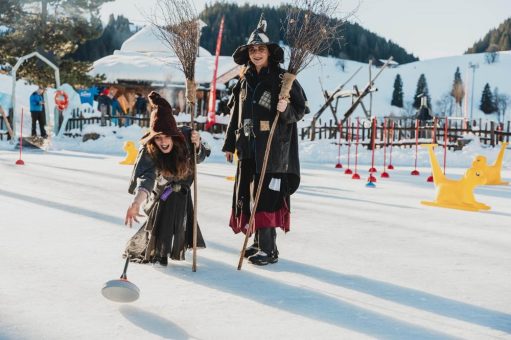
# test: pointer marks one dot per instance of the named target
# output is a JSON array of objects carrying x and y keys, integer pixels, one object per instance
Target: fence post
[{"x": 492, "y": 133}]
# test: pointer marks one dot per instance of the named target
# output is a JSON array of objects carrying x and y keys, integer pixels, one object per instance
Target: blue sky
[{"x": 426, "y": 28}]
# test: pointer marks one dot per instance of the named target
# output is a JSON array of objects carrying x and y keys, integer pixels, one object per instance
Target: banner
[{"x": 212, "y": 95}]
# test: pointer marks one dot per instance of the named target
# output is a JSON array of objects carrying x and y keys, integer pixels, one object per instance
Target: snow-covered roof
[
  {"x": 391, "y": 62},
  {"x": 144, "y": 57},
  {"x": 147, "y": 41}
]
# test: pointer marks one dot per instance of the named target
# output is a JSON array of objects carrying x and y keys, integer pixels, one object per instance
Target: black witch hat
[{"x": 259, "y": 37}]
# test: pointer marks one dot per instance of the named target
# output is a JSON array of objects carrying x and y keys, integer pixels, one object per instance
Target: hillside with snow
[{"x": 439, "y": 75}]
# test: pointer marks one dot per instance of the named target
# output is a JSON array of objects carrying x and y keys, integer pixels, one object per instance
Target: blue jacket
[{"x": 35, "y": 102}]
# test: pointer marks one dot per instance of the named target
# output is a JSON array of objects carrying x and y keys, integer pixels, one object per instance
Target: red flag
[{"x": 212, "y": 95}]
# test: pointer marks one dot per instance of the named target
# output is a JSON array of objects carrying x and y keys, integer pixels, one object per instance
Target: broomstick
[
  {"x": 181, "y": 33},
  {"x": 309, "y": 31}
]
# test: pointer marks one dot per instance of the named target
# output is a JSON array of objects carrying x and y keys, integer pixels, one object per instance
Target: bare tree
[
  {"x": 502, "y": 101},
  {"x": 445, "y": 104},
  {"x": 491, "y": 56}
]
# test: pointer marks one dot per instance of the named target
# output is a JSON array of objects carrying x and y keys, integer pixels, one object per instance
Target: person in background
[
  {"x": 162, "y": 176},
  {"x": 118, "y": 109},
  {"x": 105, "y": 102},
  {"x": 140, "y": 108},
  {"x": 37, "y": 112}
]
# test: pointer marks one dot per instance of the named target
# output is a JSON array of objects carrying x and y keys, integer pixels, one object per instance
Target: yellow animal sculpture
[
  {"x": 455, "y": 194},
  {"x": 131, "y": 153},
  {"x": 492, "y": 171}
]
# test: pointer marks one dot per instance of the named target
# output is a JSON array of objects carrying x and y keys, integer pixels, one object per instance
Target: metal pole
[{"x": 473, "y": 67}]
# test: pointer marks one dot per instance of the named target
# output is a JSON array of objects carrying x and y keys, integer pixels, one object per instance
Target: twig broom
[{"x": 181, "y": 33}]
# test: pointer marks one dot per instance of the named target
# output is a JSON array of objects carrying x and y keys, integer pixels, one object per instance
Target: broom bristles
[
  {"x": 310, "y": 30},
  {"x": 176, "y": 25}
]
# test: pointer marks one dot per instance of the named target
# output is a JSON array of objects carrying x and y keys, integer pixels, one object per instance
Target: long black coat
[
  {"x": 253, "y": 106},
  {"x": 170, "y": 219}
]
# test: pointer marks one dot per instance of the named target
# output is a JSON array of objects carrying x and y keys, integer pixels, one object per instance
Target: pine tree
[
  {"x": 422, "y": 90},
  {"x": 458, "y": 90},
  {"x": 10, "y": 11},
  {"x": 502, "y": 101},
  {"x": 354, "y": 41},
  {"x": 487, "y": 102},
  {"x": 115, "y": 33},
  {"x": 397, "y": 94},
  {"x": 55, "y": 34},
  {"x": 498, "y": 39}
]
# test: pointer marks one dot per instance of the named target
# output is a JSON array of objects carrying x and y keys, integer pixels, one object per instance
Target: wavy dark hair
[{"x": 175, "y": 164}]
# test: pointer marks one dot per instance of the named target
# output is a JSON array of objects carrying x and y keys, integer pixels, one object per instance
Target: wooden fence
[
  {"x": 75, "y": 124},
  {"x": 403, "y": 132},
  {"x": 399, "y": 132}
]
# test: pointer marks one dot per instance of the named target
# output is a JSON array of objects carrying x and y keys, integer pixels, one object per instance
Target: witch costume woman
[
  {"x": 253, "y": 104},
  {"x": 162, "y": 176}
]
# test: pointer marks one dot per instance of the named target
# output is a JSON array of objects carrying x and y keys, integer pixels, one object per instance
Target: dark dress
[
  {"x": 253, "y": 105},
  {"x": 168, "y": 230}
]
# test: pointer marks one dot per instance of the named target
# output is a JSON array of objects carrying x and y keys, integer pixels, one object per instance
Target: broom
[{"x": 181, "y": 33}]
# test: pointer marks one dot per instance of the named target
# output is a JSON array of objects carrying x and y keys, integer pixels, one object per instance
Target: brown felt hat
[{"x": 162, "y": 121}]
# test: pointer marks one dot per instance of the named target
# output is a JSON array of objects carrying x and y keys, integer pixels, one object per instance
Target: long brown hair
[{"x": 176, "y": 164}]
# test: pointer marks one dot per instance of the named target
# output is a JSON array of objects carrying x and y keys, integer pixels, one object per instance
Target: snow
[
  {"x": 357, "y": 263},
  {"x": 439, "y": 73}
]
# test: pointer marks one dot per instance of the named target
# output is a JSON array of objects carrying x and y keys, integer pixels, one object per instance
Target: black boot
[
  {"x": 254, "y": 248},
  {"x": 267, "y": 243},
  {"x": 251, "y": 251}
]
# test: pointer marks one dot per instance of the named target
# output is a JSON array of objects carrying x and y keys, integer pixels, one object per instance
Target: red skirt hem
[{"x": 263, "y": 219}]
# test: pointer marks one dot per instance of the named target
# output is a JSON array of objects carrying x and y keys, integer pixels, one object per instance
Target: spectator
[
  {"x": 37, "y": 112},
  {"x": 117, "y": 111},
  {"x": 140, "y": 107},
  {"x": 105, "y": 102}
]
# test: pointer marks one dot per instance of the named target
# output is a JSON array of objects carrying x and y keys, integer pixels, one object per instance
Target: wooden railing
[
  {"x": 75, "y": 124},
  {"x": 402, "y": 132}
]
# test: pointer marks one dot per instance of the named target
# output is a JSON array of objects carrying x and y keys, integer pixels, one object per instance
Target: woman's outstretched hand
[{"x": 132, "y": 214}]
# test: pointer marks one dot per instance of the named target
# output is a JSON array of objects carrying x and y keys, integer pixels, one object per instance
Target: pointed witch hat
[
  {"x": 259, "y": 37},
  {"x": 162, "y": 121}
]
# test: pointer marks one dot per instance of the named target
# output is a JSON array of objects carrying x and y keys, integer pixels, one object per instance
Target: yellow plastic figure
[
  {"x": 131, "y": 153},
  {"x": 455, "y": 194},
  {"x": 492, "y": 171}
]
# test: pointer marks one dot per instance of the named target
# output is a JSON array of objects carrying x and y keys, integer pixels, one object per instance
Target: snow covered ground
[{"x": 358, "y": 262}]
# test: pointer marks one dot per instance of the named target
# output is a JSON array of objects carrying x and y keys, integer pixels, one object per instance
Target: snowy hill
[{"x": 439, "y": 75}]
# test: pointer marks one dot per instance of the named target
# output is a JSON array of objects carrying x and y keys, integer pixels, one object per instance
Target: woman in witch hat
[
  {"x": 161, "y": 178},
  {"x": 253, "y": 106}
]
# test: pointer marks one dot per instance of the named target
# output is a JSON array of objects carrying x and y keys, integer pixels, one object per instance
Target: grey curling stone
[{"x": 121, "y": 290}]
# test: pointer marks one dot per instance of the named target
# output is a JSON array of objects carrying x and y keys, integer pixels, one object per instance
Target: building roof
[{"x": 146, "y": 58}]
